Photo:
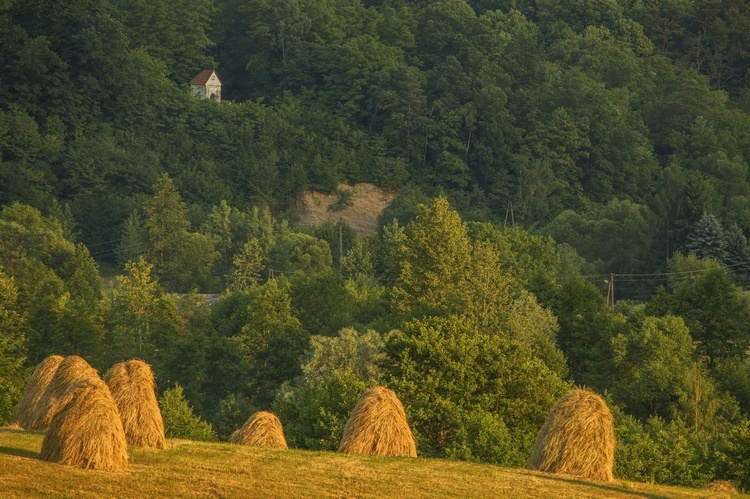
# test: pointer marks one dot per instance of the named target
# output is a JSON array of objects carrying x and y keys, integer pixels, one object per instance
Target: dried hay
[
  {"x": 86, "y": 432},
  {"x": 133, "y": 389},
  {"x": 32, "y": 394},
  {"x": 70, "y": 371},
  {"x": 578, "y": 438},
  {"x": 378, "y": 426},
  {"x": 263, "y": 428},
  {"x": 722, "y": 486}
]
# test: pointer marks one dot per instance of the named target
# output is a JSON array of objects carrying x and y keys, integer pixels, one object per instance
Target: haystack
[
  {"x": 721, "y": 486},
  {"x": 578, "y": 438},
  {"x": 263, "y": 428},
  {"x": 133, "y": 389},
  {"x": 34, "y": 390},
  {"x": 378, "y": 426},
  {"x": 86, "y": 432},
  {"x": 71, "y": 370}
]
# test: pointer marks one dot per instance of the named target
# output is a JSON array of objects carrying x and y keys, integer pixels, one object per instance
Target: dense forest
[{"x": 541, "y": 153}]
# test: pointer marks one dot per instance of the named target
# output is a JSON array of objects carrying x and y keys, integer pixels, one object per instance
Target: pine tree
[
  {"x": 737, "y": 249},
  {"x": 182, "y": 259},
  {"x": 707, "y": 239},
  {"x": 167, "y": 224},
  {"x": 134, "y": 239}
]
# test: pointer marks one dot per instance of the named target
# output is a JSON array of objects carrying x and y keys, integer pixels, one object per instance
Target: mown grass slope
[{"x": 196, "y": 469}]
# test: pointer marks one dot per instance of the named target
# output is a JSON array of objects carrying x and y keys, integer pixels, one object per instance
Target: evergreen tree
[
  {"x": 737, "y": 253},
  {"x": 707, "y": 239},
  {"x": 182, "y": 259},
  {"x": 134, "y": 239}
]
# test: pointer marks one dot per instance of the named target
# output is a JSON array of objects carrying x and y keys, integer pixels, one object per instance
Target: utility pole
[
  {"x": 611, "y": 292},
  {"x": 509, "y": 211},
  {"x": 341, "y": 239}
]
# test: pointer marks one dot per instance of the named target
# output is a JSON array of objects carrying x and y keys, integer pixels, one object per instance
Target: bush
[
  {"x": 658, "y": 452},
  {"x": 483, "y": 437},
  {"x": 179, "y": 419},
  {"x": 732, "y": 455},
  {"x": 233, "y": 412},
  {"x": 315, "y": 415}
]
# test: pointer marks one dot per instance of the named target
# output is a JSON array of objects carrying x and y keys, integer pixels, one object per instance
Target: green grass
[{"x": 191, "y": 469}]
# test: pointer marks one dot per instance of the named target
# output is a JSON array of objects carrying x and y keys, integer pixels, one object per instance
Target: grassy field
[{"x": 193, "y": 469}]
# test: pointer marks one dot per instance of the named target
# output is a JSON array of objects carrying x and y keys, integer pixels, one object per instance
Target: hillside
[
  {"x": 360, "y": 207},
  {"x": 206, "y": 469}
]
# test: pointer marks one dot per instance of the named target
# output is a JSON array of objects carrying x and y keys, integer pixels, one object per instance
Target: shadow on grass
[
  {"x": 11, "y": 451},
  {"x": 597, "y": 485}
]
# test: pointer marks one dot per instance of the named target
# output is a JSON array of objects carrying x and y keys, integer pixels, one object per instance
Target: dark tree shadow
[
  {"x": 597, "y": 485},
  {"x": 11, "y": 451}
]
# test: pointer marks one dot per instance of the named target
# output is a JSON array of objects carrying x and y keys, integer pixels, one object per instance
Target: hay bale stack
[
  {"x": 263, "y": 428},
  {"x": 378, "y": 426},
  {"x": 133, "y": 388},
  {"x": 70, "y": 371},
  {"x": 32, "y": 394},
  {"x": 578, "y": 438},
  {"x": 722, "y": 487},
  {"x": 86, "y": 432}
]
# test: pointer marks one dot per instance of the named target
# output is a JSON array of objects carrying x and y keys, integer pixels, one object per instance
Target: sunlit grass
[{"x": 188, "y": 468}]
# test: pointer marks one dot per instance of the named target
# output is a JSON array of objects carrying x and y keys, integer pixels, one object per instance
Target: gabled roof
[{"x": 203, "y": 77}]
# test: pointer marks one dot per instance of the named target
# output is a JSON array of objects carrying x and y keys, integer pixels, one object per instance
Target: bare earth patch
[{"x": 367, "y": 202}]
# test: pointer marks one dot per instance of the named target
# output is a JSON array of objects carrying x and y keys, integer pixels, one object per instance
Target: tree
[
  {"x": 167, "y": 225},
  {"x": 175, "y": 33},
  {"x": 12, "y": 349},
  {"x": 232, "y": 229},
  {"x": 335, "y": 372},
  {"x": 258, "y": 347},
  {"x": 329, "y": 232},
  {"x": 360, "y": 354},
  {"x": 247, "y": 266},
  {"x": 297, "y": 251},
  {"x": 652, "y": 362},
  {"x": 707, "y": 239},
  {"x": 467, "y": 393},
  {"x": 182, "y": 259},
  {"x": 179, "y": 419},
  {"x": 587, "y": 326},
  {"x": 436, "y": 254},
  {"x": 321, "y": 302},
  {"x": 133, "y": 241},
  {"x": 136, "y": 294},
  {"x": 359, "y": 261},
  {"x": 714, "y": 310}
]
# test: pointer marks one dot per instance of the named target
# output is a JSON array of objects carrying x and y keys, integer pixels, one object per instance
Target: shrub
[
  {"x": 657, "y": 452},
  {"x": 179, "y": 419}
]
